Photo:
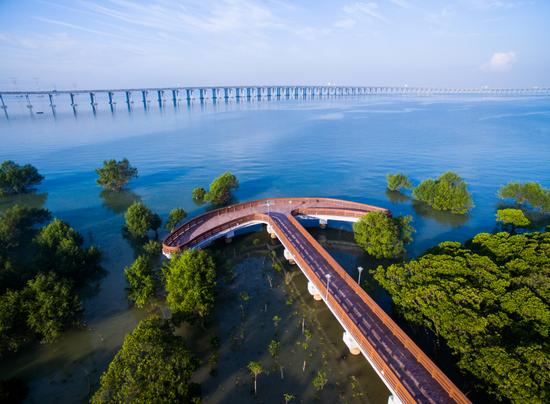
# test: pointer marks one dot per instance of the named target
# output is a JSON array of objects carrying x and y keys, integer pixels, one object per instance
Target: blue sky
[{"x": 121, "y": 43}]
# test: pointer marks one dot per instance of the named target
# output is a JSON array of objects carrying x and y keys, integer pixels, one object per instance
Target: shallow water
[{"x": 341, "y": 148}]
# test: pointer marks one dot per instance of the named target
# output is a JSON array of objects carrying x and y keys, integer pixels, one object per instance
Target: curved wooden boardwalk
[{"x": 405, "y": 369}]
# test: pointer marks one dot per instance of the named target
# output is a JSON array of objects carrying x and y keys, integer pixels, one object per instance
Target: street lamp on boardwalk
[
  {"x": 328, "y": 285},
  {"x": 360, "y": 269}
]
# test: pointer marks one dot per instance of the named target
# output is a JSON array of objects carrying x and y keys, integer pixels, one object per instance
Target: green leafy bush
[
  {"x": 448, "y": 192},
  {"x": 115, "y": 174},
  {"x": 382, "y": 236},
  {"x": 15, "y": 179},
  {"x": 398, "y": 181}
]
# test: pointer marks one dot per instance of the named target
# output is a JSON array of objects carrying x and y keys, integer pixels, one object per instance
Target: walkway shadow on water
[
  {"x": 119, "y": 201},
  {"x": 30, "y": 199}
]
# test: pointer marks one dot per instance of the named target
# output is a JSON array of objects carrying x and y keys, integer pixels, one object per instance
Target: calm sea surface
[{"x": 340, "y": 148}]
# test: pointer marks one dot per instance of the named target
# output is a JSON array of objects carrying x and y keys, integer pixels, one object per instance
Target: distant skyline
[{"x": 118, "y": 43}]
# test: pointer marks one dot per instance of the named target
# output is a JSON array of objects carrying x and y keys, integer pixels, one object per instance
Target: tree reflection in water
[
  {"x": 119, "y": 201},
  {"x": 442, "y": 217}
]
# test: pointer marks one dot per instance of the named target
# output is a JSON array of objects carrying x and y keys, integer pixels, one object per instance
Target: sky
[{"x": 104, "y": 44}]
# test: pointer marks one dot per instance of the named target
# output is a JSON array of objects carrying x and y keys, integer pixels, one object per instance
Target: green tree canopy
[
  {"x": 139, "y": 219},
  {"x": 46, "y": 307},
  {"x": 190, "y": 279},
  {"x": 58, "y": 249},
  {"x": 529, "y": 192},
  {"x": 144, "y": 282},
  {"x": 398, "y": 181},
  {"x": 199, "y": 193},
  {"x": 256, "y": 368},
  {"x": 153, "y": 366},
  {"x": 448, "y": 192},
  {"x": 490, "y": 301},
  {"x": 175, "y": 217},
  {"x": 511, "y": 219},
  {"x": 221, "y": 188},
  {"x": 382, "y": 236},
  {"x": 17, "y": 220},
  {"x": 51, "y": 306},
  {"x": 115, "y": 174},
  {"x": 15, "y": 179}
]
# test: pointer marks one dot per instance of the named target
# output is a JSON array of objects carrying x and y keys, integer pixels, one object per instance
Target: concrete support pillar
[
  {"x": 28, "y": 101},
  {"x": 4, "y": 105},
  {"x": 248, "y": 92},
  {"x": 112, "y": 98},
  {"x": 269, "y": 91},
  {"x": 214, "y": 93},
  {"x": 175, "y": 96},
  {"x": 259, "y": 92},
  {"x": 312, "y": 289},
  {"x": 189, "y": 94},
  {"x": 289, "y": 257},
  {"x": 323, "y": 223},
  {"x": 92, "y": 98},
  {"x": 229, "y": 237},
  {"x": 49, "y": 95},
  {"x": 201, "y": 94},
  {"x": 237, "y": 93},
  {"x": 129, "y": 97},
  {"x": 271, "y": 232},
  {"x": 296, "y": 91},
  {"x": 145, "y": 96},
  {"x": 226, "y": 92},
  {"x": 73, "y": 103},
  {"x": 351, "y": 343}
]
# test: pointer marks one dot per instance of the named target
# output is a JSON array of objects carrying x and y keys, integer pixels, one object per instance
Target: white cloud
[
  {"x": 441, "y": 18},
  {"x": 491, "y": 5},
  {"x": 401, "y": 3},
  {"x": 367, "y": 8},
  {"x": 345, "y": 23},
  {"x": 500, "y": 62}
]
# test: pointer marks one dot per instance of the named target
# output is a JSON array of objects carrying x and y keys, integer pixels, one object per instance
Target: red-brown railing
[{"x": 337, "y": 203}]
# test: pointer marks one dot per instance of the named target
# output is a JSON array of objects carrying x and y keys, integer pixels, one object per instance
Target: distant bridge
[
  {"x": 407, "y": 372},
  {"x": 217, "y": 93}
]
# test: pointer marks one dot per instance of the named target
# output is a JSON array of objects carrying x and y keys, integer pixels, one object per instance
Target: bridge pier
[
  {"x": 229, "y": 236},
  {"x": 323, "y": 223},
  {"x": 312, "y": 289},
  {"x": 73, "y": 103},
  {"x": 92, "y": 98},
  {"x": 161, "y": 98},
  {"x": 129, "y": 98},
  {"x": 49, "y": 95},
  {"x": 112, "y": 98},
  {"x": 28, "y": 101},
  {"x": 271, "y": 232},
  {"x": 176, "y": 97},
  {"x": 189, "y": 94},
  {"x": 4, "y": 105},
  {"x": 289, "y": 257},
  {"x": 351, "y": 343}
]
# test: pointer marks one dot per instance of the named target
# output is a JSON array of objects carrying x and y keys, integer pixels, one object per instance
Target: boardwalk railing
[{"x": 337, "y": 203}]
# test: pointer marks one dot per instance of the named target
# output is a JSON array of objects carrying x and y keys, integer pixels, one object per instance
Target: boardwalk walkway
[{"x": 405, "y": 369}]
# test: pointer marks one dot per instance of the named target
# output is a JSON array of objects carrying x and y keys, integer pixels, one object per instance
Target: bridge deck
[{"x": 404, "y": 367}]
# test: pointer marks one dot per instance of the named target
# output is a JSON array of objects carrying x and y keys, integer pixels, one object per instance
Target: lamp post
[
  {"x": 328, "y": 285},
  {"x": 359, "y": 280}
]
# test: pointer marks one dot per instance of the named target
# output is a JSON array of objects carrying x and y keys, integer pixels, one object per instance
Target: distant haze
[{"x": 100, "y": 44}]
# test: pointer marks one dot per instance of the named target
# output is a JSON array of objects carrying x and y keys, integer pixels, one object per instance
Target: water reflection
[
  {"x": 30, "y": 199},
  {"x": 443, "y": 218},
  {"x": 397, "y": 197},
  {"x": 119, "y": 201}
]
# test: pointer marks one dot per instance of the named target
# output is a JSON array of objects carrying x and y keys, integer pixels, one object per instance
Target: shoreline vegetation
[{"x": 487, "y": 300}]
